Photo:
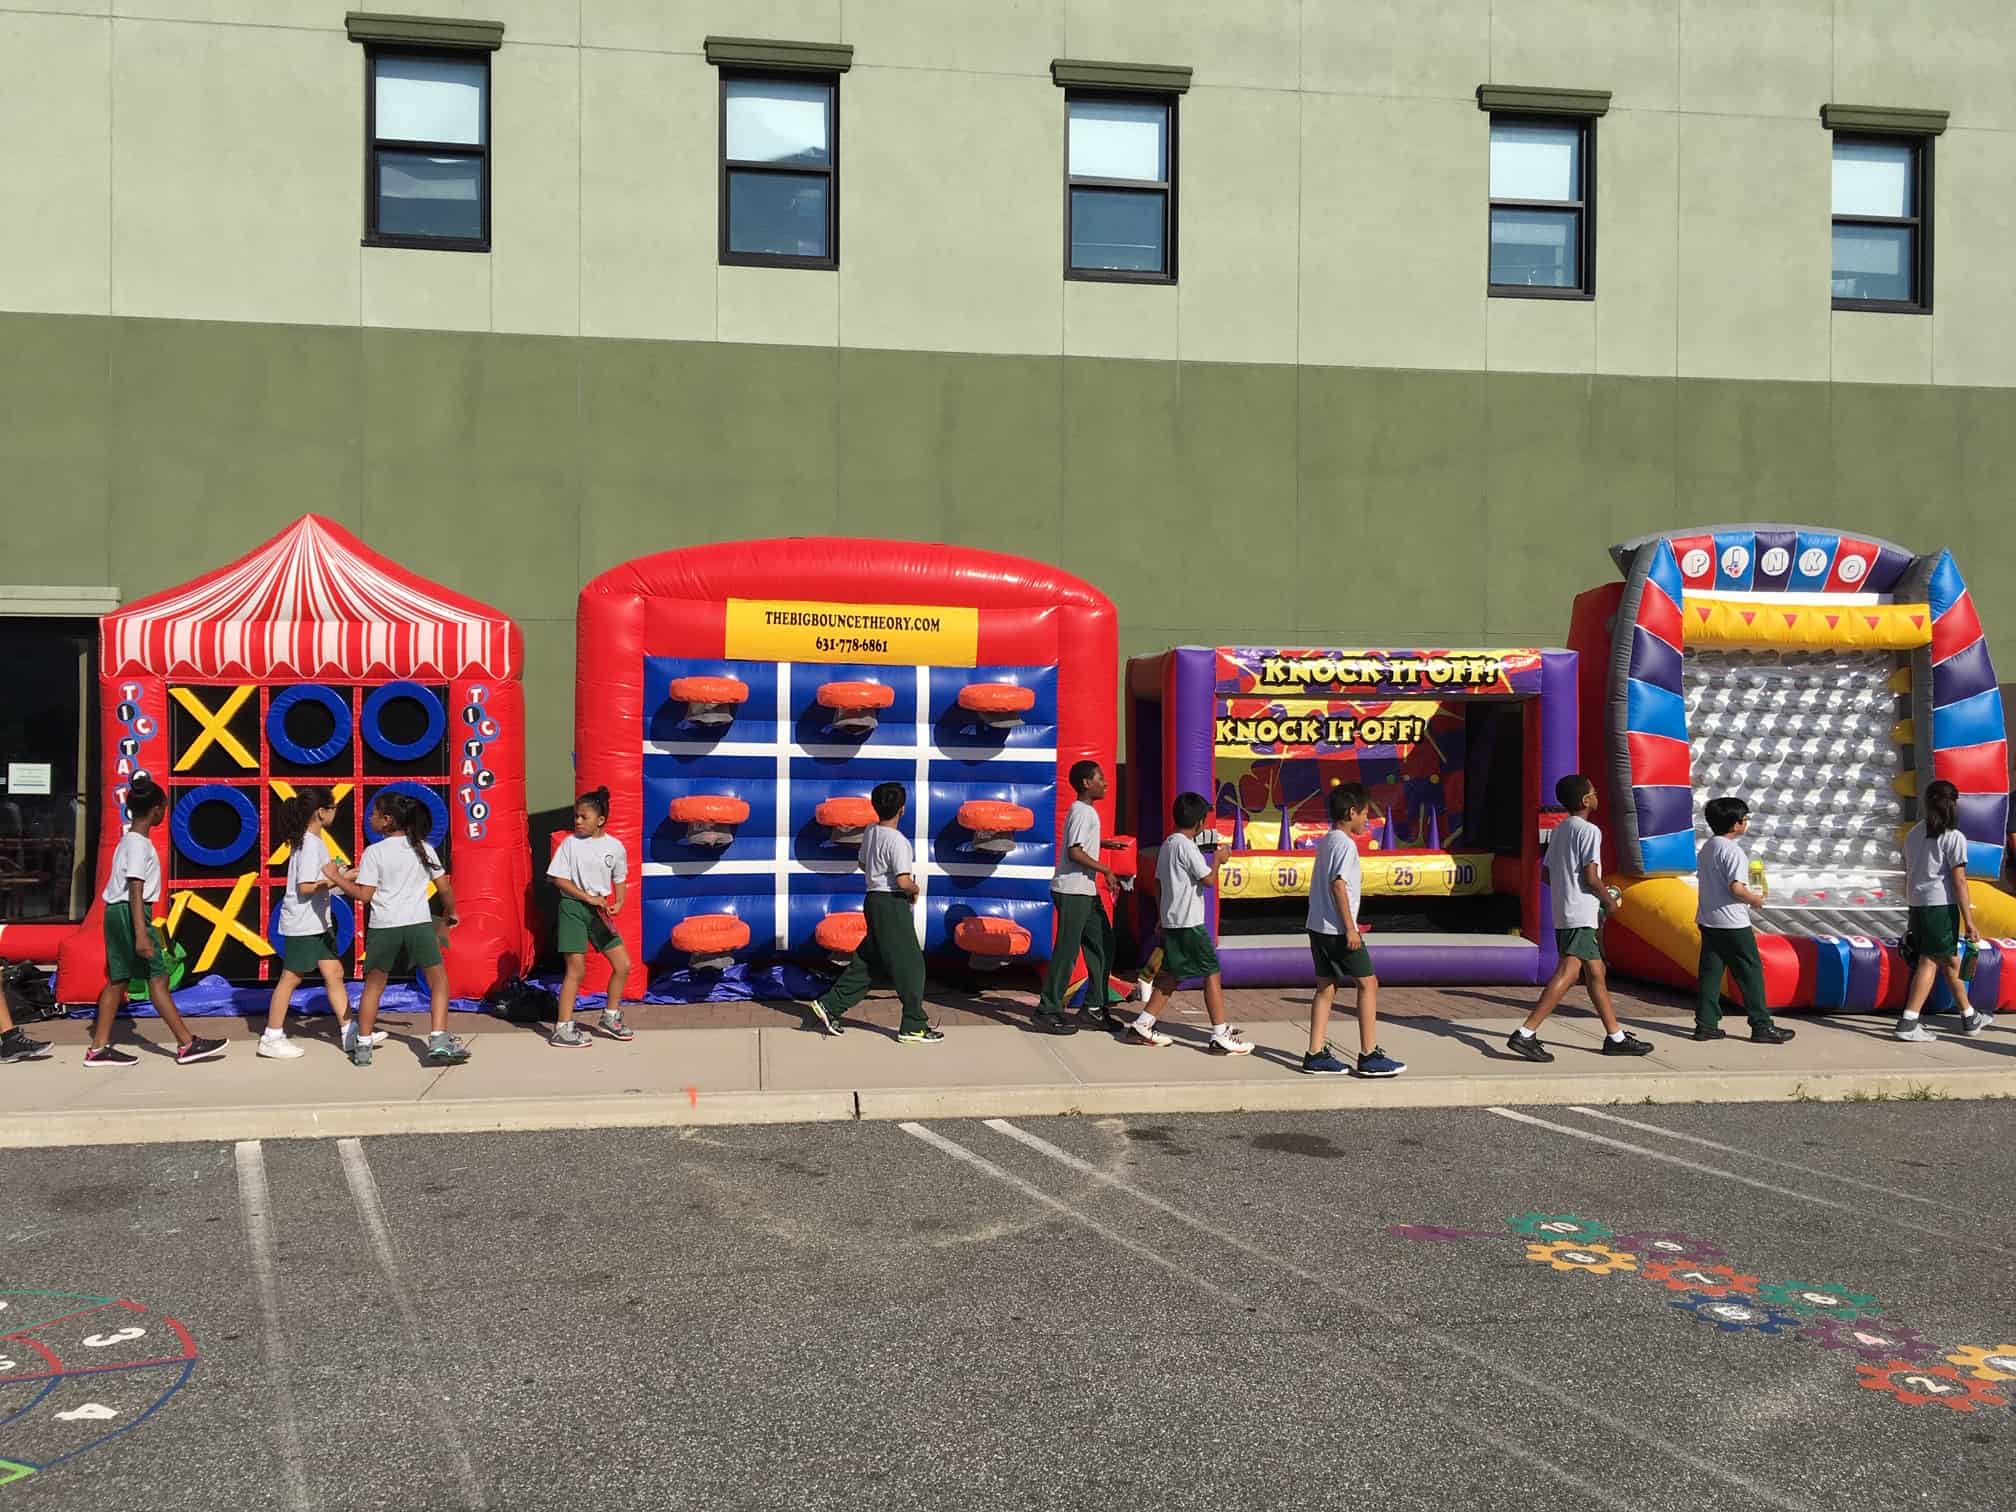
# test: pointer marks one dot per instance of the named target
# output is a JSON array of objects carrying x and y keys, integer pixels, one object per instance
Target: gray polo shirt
[
  {"x": 1721, "y": 863},
  {"x": 885, "y": 856},
  {"x": 1081, "y": 828},
  {"x": 1336, "y": 857},
  {"x": 1574, "y": 844},
  {"x": 1928, "y": 861}
]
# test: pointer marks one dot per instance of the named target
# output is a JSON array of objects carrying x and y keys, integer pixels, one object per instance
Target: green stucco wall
[{"x": 1214, "y": 502}]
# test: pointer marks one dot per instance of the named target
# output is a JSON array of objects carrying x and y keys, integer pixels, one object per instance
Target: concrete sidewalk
[{"x": 762, "y": 1063}]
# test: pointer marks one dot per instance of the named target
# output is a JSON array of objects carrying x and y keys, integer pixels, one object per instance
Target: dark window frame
[
  {"x": 373, "y": 237},
  {"x": 1165, "y": 187},
  {"x": 1584, "y": 208},
  {"x": 1919, "y": 223},
  {"x": 729, "y": 165}
]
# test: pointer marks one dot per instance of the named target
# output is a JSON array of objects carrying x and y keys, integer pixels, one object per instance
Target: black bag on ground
[
  {"x": 521, "y": 1002},
  {"x": 29, "y": 996}
]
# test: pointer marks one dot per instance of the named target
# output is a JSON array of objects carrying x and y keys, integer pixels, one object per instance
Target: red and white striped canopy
[{"x": 312, "y": 602}]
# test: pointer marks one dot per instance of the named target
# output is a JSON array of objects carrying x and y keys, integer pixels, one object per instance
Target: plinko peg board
[
  {"x": 1825, "y": 679},
  {"x": 312, "y": 661},
  {"x": 1455, "y": 747},
  {"x": 741, "y": 701}
]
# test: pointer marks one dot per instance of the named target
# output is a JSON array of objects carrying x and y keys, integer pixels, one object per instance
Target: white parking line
[
  {"x": 1037, "y": 1194},
  {"x": 1964, "y": 1240},
  {"x": 1789, "y": 1165},
  {"x": 364, "y": 1192},
  {"x": 256, "y": 1205},
  {"x": 1744, "y": 1483}
]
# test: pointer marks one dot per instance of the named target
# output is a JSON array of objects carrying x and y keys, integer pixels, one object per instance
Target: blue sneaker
[
  {"x": 1324, "y": 1063},
  {"x": 1379, "y": 1063}
]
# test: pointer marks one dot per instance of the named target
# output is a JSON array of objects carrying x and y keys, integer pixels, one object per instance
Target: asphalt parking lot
[{"x": 1403, "y": 1309}]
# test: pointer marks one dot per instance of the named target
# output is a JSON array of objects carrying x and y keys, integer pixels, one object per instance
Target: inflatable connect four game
[
  {"x": 1821, "y": 677},
  {"x": 312, "y": 660},
  {"x": 740, "y": 734}
]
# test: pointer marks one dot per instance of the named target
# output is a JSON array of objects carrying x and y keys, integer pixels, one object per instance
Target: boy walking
[
  {"x": 1728, "y": 943},
  {"x": 890, "y": 949},
  {"x": 133, "y": 946},
  {"x": 1335, "y": 945},
  {"x": 1575, "y": 882},
  {"x": 1082, "y": 924},
  {"x": 1181, "y": 872}
]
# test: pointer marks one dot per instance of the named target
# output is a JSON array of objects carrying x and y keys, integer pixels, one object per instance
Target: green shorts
[
  {"x": 1934, "y": 931},
  {"x": 304, "y": 954},
  {"x": 1187, "y": 953},
  {"x": 122, "y": 962},
  {"x": 1579, "y": 943},
  {"x": 1334, "y": 963},
  {"x": 400, "y": 948},
  {"x": 579, "y": 926}
]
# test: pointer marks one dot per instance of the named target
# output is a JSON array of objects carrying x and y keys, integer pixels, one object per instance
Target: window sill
[
  {"x": 1116, "y": 275},
  {"x": 1531, "y": 291},
  {"x": 769, "y": 260},
  {"x": 1884, "y": 306},
  {"x": 428, "y": 243}
]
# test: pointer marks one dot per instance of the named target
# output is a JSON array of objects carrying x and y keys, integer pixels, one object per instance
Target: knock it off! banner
[{"x": 1276, "y": 672}]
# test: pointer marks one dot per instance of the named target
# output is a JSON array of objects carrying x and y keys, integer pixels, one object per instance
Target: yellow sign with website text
[{"x": 792, "y": 630}]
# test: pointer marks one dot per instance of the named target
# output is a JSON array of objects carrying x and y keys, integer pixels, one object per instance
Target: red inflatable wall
[{"x": 780, "y": 615}]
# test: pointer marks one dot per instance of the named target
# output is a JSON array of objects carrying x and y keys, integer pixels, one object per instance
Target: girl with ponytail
[
  {"x": 589, "y": 870},
  {"x": 307, "y": 939},
  {"x": 393, "y": 879},
  {"x": 1941, "y": 913}
]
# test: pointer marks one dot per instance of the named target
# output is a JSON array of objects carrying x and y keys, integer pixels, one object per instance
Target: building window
[
  {"x": 1120, "y": 187},
  {"x": 1542, "y": 232},
  {"x": 1881, "y": 225},
  {"x": 427, "y": 126},
  {"x": 780, "y": 168}
]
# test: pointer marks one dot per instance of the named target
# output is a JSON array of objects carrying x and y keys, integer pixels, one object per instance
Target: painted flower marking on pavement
[
  {"x": 1929, "y": 1386},
  {"x": 1572, "y": 1255},
  {"x": 1739, "y": 1314},
  {"x": 1986, "y": 1362},
  {"x": 1667, "y": 1244},
  {"x": 1870, "y": 1339},
  {"x": 1547, "y": 1227},
  {"x": 1817, "y": 1300},
  {"x": 1702, "y": 1280}
]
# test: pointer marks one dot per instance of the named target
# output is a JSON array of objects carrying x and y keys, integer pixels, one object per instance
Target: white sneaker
[
  {"x": 1909, "y": 1029},
  {"x": 348, "y": 1036},
  {"x": 1134, "y": 1034},
  {"x": 1229, "y": 1043},
  {"x": 279, "y": 1047}
]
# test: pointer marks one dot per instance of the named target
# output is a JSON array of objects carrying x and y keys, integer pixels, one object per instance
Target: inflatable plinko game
[
  {"x": 1458, "y": 749},
  {"x": 312, "y": 660},
  {"x": 1822, "y": 678},
  {"x": 741, "y": 701}
]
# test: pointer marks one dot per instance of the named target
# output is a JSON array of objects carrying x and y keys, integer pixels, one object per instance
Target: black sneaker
[
  {"x": 1629, "y": 1045},
  {"x": 828, "y": 1021},
  {"x": 1054, "y": 1023},
  {"x": 1710, "y": 1034},
  {"x": 1527, "y": 1047},
  {"x": 920, "y": 1037},
  {"x": 1771, "y": 1034},
  {"x": 105, "y": 1055},
  {"x": 198, "y": 1050},
  {"x": 18, "y": 1047},
  {"x": 1094, "y": 1018}
]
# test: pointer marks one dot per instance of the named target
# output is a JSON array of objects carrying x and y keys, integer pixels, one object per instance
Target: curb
[{"x": 528, "y": 1115}]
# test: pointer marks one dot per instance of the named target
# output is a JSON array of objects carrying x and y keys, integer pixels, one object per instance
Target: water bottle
[
  {"x": 1970, "y": 953},
  {"x": 1757, "y": 876}
]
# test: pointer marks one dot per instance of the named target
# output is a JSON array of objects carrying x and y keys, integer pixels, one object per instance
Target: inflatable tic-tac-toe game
[
  {"x": 1822, "y": 678},
  {"x": 312, "y": 660},
  {"x": 1456, "y": 749},
  {"x": 740, "y": 702}
]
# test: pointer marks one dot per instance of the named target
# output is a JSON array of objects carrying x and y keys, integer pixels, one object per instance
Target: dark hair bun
[{"x": 600, "y": 792}]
